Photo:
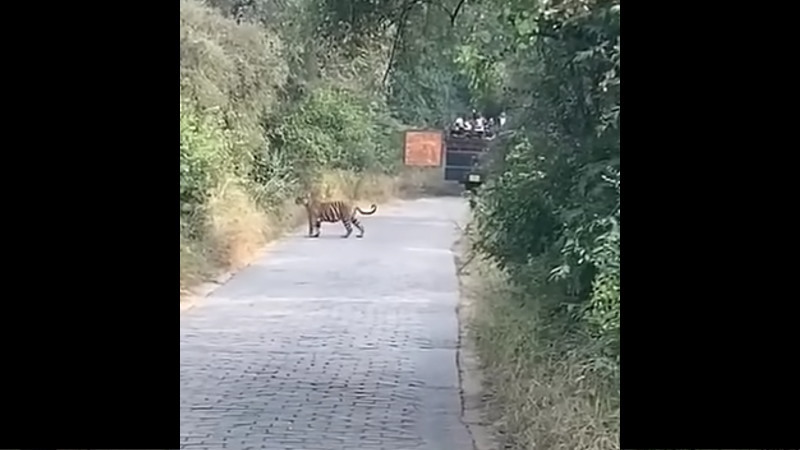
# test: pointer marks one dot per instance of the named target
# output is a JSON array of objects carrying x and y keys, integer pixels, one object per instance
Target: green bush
[
  {"x": 555, "y": 199},
  {"x": 337, "y": 129},
  {"x": 230, "y": 79}
]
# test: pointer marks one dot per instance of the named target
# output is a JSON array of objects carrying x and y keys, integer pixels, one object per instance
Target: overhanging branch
[
  {"x": 396, "y": 41},
  {"x": 454, "y": 14},
  {"x": 401, "y": 24}
]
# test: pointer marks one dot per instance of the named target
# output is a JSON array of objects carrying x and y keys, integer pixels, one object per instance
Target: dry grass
[
  {"x": 237, "y": 230},
  {"x": 415, "y": 182},
  {"x": 238, "y": 227},
  {"x": 539, "y": 398},
  {"x": 196, "y": 264},
  {"x": 350, "y": 186},
  {"x": 410, "y": 183}
]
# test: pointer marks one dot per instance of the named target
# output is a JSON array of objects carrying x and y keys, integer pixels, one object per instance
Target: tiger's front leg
[
  {"x": 310, "y": 226},
  {"x": 318, "y": 225},
  {"x": 313, "y": 223}
]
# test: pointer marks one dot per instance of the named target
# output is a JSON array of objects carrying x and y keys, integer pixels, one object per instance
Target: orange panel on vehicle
[{"x": 423, "y": 149}]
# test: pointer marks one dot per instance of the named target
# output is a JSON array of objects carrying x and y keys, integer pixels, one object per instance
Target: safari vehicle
[
  {"x": 461, "y": 155},
  {"x": 464, "y": 155}
]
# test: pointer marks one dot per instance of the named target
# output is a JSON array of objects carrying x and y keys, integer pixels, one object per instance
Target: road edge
[
  {"x": 196, "y": 294},
  {"x": 470, "y": 375}
]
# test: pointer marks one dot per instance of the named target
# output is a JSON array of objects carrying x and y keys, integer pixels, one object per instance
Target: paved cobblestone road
[{"x": 333, "y": 343}]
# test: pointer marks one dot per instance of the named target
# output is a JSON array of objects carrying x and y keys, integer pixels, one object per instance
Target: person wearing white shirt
[{"x": 480, "y": 124}]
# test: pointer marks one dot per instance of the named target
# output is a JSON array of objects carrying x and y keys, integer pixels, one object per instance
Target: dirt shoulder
[{"x": 475, "y": 410}]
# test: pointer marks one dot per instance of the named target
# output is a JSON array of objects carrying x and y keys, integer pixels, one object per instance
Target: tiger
[{"x": 333, "y": 211}]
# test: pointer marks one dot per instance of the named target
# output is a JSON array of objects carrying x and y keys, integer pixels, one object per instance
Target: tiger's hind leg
[
  {"x": 347, "y": 227},
  {"x": 360, "y": 227}
]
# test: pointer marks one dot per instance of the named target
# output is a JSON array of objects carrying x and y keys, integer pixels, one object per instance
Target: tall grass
[{"x": 544, "y": 392}]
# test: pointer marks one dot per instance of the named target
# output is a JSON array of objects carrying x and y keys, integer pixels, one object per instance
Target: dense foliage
[{"x": 556, "y": 195}]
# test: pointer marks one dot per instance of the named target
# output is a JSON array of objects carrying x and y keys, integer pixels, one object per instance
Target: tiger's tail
[{"x": 367, "y": 213}]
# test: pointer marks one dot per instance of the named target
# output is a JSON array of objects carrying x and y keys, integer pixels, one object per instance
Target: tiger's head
[{"x": 303, "y": 200}]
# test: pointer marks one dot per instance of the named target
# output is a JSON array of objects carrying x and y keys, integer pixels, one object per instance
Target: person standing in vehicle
[{"x": 480, "y": 124}]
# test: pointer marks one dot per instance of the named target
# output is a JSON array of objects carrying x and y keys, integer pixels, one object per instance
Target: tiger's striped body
[{"x": 333, "y": 211}]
